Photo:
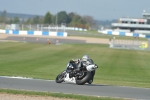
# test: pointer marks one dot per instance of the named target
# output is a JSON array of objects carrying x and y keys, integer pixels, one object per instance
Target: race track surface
[
  {"x": 53, "y": 39},
  {"x": 71, "y": 88}
]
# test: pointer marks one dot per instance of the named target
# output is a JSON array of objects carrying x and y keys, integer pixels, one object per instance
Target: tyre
[
  {"x": 60, "y": 77},
  {"x": 83, "y": 80}
]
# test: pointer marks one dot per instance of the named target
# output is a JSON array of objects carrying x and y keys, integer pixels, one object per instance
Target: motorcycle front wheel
[{"x": 60, "y": 77}]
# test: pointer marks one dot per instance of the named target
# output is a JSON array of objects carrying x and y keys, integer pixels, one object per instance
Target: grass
[
  {"x": 96, "y": 34},
  {"x": 108, "y": 36},
  {"x": 58, "y": 95},
  {"x": 116, "y": 67}
]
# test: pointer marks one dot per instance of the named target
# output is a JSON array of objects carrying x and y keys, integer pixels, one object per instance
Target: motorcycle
[{"x": 76, "y": 73}]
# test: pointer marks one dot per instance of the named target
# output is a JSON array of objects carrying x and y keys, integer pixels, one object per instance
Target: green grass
[
  {"x": 96, "y": 34},
  {"x": 108, "y": 36},
  {"x": 116, "y": 66},
  {"x": 58, "y": 95}
]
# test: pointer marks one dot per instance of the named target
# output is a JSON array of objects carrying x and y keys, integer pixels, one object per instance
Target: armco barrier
[
  {"x": 30, "y": 32},
  {"x": 109, "y": 32}
]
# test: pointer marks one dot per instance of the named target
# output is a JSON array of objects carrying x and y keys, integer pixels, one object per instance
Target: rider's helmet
[{"x": 85, "y": 57}]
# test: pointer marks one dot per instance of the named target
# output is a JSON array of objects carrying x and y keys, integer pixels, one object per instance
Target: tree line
[{"x": 69, "y": 19}]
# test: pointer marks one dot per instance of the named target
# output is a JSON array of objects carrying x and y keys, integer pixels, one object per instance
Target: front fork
[{"x": 68, "y": 79}]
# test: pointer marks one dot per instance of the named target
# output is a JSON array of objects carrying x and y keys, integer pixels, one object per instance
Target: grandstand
[
  {"x": 126, "y": 26},
  {"x": 133, "y": 27}
]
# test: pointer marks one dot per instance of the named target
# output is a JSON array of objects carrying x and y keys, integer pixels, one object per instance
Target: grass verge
[
  {"x": 43, "y": 61},
  {"x": 57, "y": 95},
  {"x": 95, "y": 34}
]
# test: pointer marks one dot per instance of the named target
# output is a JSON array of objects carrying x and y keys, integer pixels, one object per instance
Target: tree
[
  {"x": 89, "y": 19},
  {"x": 4, "y": 16},
  {"x": 22, "y": 21},
  {"x": 77, "y": 21},
  {"x": 36, "y": 20},
  {"x": 48, "y": 18},
  {"x": 16, "y": 20},
  {"x": 90, "y": 22},
  {"x": 54, "y": 19},
  {"x": 70, "y": 15},
  {"x": 41, "y": 20},
  {"x": 29, "y": 21},
  {"x": 62, "y": 17},
  {"x": 10, "y": 21}
]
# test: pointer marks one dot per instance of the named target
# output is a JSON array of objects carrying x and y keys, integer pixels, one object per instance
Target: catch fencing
[{"x": 40, "y": 27}]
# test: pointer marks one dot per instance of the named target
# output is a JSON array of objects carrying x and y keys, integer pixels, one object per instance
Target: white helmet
[{"x": 85, "y": 57}]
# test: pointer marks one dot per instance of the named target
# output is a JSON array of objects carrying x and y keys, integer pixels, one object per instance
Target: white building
[
  {"x": 126, "y": 26},
  {"x": 135, "y": 25}
]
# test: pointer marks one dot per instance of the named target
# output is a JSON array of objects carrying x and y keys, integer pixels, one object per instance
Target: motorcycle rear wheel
[{"x": 86, "y": 78}]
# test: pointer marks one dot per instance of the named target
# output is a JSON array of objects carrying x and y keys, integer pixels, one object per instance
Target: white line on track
[{"x": 20, "y": 77}]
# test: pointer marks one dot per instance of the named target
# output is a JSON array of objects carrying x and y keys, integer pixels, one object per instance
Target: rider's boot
[{"x": 90, "y": 81}]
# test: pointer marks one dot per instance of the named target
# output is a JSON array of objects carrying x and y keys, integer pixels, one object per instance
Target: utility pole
[
  {"x": 56, "y": 19},
  {"x": 56, "y": 22}
]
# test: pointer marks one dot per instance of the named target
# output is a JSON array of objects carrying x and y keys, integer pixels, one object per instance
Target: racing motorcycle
[{"x": 76, "y": 73}]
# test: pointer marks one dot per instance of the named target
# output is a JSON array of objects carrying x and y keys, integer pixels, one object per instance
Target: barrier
[
  {"x": 111, "y": 32},
  {"x": 129, "y": 44},
  {"x": 62, "y": 28},
  {"x": 30, "y": 32}
]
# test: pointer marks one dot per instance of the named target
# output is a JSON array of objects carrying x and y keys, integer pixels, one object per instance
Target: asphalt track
[
  {"x": 53, "y": 39},
  {"x": 71, "y": 88},
  {"x": 41, "y": 39}
]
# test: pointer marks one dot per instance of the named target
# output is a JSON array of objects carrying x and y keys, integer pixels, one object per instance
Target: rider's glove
[{"x": 96, "y": 65}]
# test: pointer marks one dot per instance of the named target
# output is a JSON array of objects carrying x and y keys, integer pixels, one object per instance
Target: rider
[{"x": 86, "y": 60}]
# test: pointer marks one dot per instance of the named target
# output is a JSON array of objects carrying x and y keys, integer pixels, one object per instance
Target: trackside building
[{"x": 126, "y": 26}]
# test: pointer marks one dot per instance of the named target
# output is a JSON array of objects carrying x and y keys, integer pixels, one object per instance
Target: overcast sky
[{"x": 99, "y": 9}]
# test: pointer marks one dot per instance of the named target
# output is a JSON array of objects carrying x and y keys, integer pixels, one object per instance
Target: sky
[{"x": 98, "y": 9}]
